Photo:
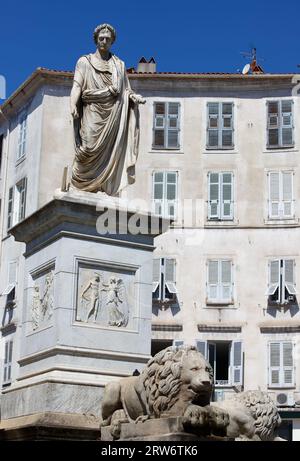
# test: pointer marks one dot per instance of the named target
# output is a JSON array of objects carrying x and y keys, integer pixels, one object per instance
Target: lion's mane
[
  {"x": 161, "y": 378},
  {"x": 263, "y": 410}
]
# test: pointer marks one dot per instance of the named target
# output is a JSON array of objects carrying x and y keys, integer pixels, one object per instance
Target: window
[
  {"x": 166, "y": 125},
  {"x": 220, "y": 125},
  {"x": 22, "y": 135},
  {"x": 282, "y": 288},
  {"x": 220, "y": 284},
  {"x": 280, "y": 123},
  {"x": 281, "y": 204},
  {"x": 164, "y": 280},
  {"x": 226, "y": 359},
  {"x": 165, "y": 193},
  {"x": 220, "y": 196},
  {"x": 281, "y": 364},
  {"x": 16, "y": 203},
  {"x": 7, "y": 362}
]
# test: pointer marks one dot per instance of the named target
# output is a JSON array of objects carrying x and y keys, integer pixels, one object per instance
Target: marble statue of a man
[{"x": 105, "y": 112}]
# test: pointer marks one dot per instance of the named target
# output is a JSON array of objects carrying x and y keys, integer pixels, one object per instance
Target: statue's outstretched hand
[{"x": 137, "y": 98}]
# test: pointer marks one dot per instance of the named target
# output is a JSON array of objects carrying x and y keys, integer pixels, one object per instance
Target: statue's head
[{"x": 104, "y": 36}]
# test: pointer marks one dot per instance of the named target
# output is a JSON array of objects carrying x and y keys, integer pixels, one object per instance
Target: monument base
[
  {"x": 162, "y": 429},
  {"x": 50, "y": 426}
]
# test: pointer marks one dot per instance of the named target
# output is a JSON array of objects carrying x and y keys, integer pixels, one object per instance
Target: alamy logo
[{"x": 2, "y": 87}]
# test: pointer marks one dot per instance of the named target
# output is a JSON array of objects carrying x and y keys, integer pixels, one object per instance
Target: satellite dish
[{"x": 246, "y": 69}]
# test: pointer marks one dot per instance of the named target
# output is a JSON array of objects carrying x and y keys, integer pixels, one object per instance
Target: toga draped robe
[{"x": 107, "y": 130}]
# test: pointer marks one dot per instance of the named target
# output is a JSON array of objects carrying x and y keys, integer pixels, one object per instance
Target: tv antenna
[{"x": 253, "y": 66}]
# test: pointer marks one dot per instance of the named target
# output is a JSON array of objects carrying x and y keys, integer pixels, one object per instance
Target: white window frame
[
  {"x": 17, "y": 203},
  {"x": 220, "y": 215},
  {"x": 281, "y": 368},
  {"x": 280, "y": 126},
  {"x": 234, "y": 366},
  {"x": 7, "y": 365},
  {"x": 281, "y": 202},
  {"x": 165, "y": 127},
  {"x": 220, "y": 287},
  {"x": 162, "y": 285},
  {"x": 162, "y": 207},
  {"x": 281, "y": 283},
  {"x": 220, "y": 125},
  {"x": 22, "y": 135}
]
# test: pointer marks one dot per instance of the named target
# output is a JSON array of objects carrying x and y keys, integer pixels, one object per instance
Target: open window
[
  {"x": 282, "y": 287},
  {"x": 164, "y": 280},
  {"x": 226, "y": 359}
]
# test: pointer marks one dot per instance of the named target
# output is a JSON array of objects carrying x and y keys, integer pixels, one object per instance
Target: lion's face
[{"x": 197, "y": 375}]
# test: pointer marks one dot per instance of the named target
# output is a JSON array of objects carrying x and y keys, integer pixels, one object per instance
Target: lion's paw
[{"x": 195, "y": 417}]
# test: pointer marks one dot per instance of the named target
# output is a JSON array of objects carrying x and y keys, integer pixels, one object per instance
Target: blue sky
[{"x": 186, "y": 36}]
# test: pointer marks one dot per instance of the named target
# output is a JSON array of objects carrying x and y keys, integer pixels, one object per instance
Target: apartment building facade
[{"x": 219, "y": 156}]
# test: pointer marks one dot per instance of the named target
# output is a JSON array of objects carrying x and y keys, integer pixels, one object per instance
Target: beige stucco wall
[{"x": 250, "y": 240}]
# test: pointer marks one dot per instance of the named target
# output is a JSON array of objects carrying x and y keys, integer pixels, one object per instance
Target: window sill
[
  {"x": 221, "y": 223},
  {"x": 220, "y": 304},
  {"x": 220, "y": 151},
  {"x": 20, "y": 160},
  {"x": 278, "y": 149},
  {"x": 282, "y": 387},
  {"x": 165, "y": 151},
  {"x": 281, "y": 222}
]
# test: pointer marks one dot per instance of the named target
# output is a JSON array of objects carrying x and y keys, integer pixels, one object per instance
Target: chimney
[{"x": 148, "y": 67}]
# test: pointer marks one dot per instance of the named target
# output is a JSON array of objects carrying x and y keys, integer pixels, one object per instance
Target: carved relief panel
[
  {"x": 105, "y": 295},
  {"x": 42, "y": 299}
]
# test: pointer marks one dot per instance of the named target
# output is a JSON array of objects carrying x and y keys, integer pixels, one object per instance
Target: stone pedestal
[
  {"x": 162, "y": 429},
  {"x": 86, "y": 316}
]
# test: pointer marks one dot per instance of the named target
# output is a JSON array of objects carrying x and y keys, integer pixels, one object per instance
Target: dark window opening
[
  {"x": 159, "y": 345},
  {"x": 219, "y": 358}
]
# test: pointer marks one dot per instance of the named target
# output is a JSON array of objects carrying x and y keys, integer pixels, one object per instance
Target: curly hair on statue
[
  {"x": 105, "y": 26},
  {"x": 263, "y": 410}
]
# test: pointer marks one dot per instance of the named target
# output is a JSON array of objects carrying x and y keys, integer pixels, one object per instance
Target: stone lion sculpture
[
  {"x": 252, "y": 416},
  {"x": 178, "y": 381}
]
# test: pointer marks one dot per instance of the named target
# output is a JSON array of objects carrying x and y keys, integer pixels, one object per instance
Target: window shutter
[
  {"x": 10, "y": 207},
  {"x": 22, "y": 135},
  {"x": 178, "y": 343},
  {"x": 274, "y": 276},
  {"x": 158, "y": 192},
  {"x": 273, "y": 123},
  {"x": 171, "y": 194},
  {"x": 170, "y": 279},
  {"x": 173, "y": 125},
  {"x": 227, "y": 125},
  {"x": 288, "y": 363},
  {"x": 227, "y": 195},
  {"x": 159, "y": 124},
  {"x": 23, "y": 187},
  {"x": 12, "y": 272},
  {"x": 202, "y": 347},
  {"x": 289, "y": 278},
  {"x": 274, "y": 182},
  {"x": 213, "y": 125},
  {"x": 274, "y": 364},
  {"x": 213, "y": 279},
  {"x": 214, "y": 193},
  {"x": 287, "y": 194},
  {"x": 7, "y": 362},
  {"x": 156, "y": 274},
  {"x": 226, "y": 280},
  {"x": 237, "y": 363},
  {"x": 287, "y": 123}
]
